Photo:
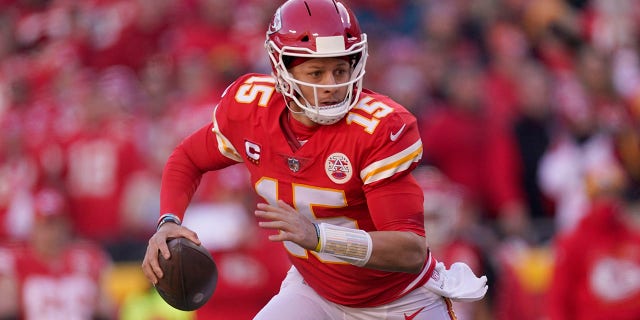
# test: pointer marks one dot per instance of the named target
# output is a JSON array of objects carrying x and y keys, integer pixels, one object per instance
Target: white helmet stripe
[{"x": 333, "y": 44}]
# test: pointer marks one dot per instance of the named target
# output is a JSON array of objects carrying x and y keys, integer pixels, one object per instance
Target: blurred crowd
[{"x": 529, "y": 111}]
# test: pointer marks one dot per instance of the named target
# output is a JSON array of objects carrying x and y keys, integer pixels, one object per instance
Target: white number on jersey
[
  {"x": 252, "y": 89},
  {"x": 305, "y": 199},
  {"x": 376, "y": 109}
]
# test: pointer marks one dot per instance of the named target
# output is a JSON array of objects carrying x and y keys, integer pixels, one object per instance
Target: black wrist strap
[{"x": 168, "y": 217}]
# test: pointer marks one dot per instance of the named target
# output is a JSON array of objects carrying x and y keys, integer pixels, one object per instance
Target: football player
[
  {"x": 53, "y": 275},
  {"x": 331, "y": 162}
]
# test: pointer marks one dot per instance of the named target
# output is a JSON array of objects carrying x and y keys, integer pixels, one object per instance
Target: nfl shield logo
[{"x": 294, "y": 164}]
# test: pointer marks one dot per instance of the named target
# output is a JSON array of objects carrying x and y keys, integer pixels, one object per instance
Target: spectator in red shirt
[
  {"x": 461, "y": 141},
  {"x": 53, "y": 275},
  {"x": 603, "y": 281}
]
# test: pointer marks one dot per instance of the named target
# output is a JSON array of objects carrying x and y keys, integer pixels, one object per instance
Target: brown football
[{"x": 190, "y": 275}]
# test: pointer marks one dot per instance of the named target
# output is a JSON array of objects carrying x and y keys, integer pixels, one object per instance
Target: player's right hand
[{"x": 158, "y": 245}]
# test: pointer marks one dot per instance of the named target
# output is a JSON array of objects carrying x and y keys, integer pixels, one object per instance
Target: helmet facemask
[
  {"x": 290, "y": 87},
  {"x": 316, "y": 29}
]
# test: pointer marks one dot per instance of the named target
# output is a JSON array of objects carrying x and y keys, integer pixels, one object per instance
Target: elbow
[
  {"x": 415, "y": 255},
  {"x": 416, "y": 258},
  {"x": 399, "y": 252}
]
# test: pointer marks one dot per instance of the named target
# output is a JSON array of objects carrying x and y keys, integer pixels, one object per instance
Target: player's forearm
[
  {"x": 196, "y": 155},
  {"x": 180, "y": 180},
  {"x": 397, "y": 251}
]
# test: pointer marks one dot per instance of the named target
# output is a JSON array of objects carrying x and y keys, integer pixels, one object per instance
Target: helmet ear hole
[{"x": 286, "y": 60}]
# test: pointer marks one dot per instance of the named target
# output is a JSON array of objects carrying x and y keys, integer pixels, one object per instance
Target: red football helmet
[{"x": 316, "y": 29}]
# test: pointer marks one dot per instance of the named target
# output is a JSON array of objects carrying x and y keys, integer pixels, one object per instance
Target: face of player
[
  {"x": 50, "y": 235},
  {"x": 328, "y": 72}
]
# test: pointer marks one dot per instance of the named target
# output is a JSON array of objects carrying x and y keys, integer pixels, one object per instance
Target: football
[{"x": 190, "y": 275}]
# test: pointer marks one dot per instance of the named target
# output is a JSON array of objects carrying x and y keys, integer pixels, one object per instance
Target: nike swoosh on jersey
[
  {"x": 413, "y": 315},
  {"x": 394, "y": 136}
]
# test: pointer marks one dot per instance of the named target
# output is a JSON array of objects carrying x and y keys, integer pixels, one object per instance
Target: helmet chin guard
[{"x": 317, "y": 29}]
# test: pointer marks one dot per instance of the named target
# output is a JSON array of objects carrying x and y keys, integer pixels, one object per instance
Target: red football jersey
[
  {"x": 99, "y": 163},
  {"x": 597, "y": 270},
  {"x": 63, "y": 288},
  {"x": 340, "y": 175}
]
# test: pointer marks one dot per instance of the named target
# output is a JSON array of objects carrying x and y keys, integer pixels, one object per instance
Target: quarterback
[{"x": 331, "y": 162}]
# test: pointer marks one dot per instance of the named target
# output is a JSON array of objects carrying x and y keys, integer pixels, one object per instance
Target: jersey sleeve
[
  {"x": 204, "y": 150},
  {"x": 394, "y": 198},
  {"x": 398, "y": 206},
  {"x": 212, "y": 146},
  {"x": 238, "y": 111},
  {"x": 396, "y": 149}
]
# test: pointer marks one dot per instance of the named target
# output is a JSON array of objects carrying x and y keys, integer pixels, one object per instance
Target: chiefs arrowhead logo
[
  {"x": 276, "y": 23},
  {"x": 338, "y": 168}
]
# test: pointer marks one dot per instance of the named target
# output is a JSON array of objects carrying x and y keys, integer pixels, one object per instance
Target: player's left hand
[{"x": 293, "y": 226}]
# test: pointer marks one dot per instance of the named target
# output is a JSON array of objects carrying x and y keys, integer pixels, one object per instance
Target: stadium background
[{"x": 95, "y": 94}]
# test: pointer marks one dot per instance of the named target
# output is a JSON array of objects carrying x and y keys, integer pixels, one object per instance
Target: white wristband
[{"x": 351, "y": 245}]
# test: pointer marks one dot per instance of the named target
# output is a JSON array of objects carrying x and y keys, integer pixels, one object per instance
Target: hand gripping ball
[{"x": 190, "y": 275}]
